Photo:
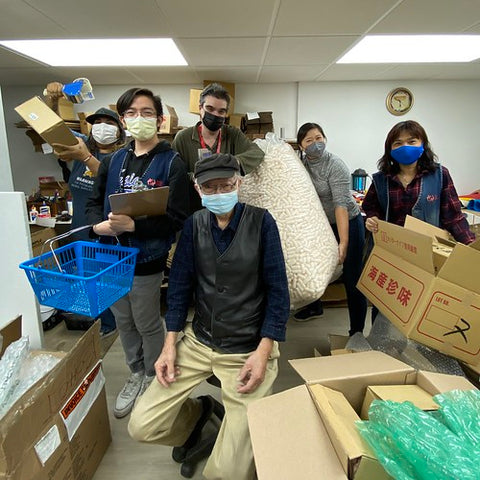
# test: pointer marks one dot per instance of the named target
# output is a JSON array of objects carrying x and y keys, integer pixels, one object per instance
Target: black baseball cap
[
  {"x": 218, "y": 165},
  {"x": 103, "y": 112}
]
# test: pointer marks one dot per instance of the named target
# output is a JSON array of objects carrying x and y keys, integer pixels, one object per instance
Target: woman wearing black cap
[{"x": 106, "y": 136}]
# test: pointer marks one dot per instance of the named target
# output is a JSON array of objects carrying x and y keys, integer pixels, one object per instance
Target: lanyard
[{"x": 202, "y": 141}]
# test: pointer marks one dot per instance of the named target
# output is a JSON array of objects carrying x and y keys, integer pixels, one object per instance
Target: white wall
[
  {"x": 353, "y": 115},
  {"x": 356, "y": 122},
  {"x": 16, "y": 294},
  {"x": 6, "y": 180}
]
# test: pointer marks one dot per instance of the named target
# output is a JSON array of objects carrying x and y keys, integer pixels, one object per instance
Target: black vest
[{"x": 230, "y": 293}]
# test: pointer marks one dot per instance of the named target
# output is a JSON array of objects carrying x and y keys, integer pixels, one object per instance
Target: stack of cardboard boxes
[{"x": 59, "y": 428}]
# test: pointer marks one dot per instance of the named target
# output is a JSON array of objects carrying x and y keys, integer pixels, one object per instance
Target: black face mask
[{"x": 212, "y": 122}]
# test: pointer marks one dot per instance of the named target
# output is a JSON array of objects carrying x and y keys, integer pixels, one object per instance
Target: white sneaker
[
  {"x": 147, "y": 380},
  {"x": 128, "y": 394}
]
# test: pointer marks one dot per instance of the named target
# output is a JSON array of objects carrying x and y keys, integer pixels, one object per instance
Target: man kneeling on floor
[{"x": 230, "y": 256}]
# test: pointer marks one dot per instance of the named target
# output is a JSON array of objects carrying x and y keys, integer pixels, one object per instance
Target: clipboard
[{"x": 141, "y": 203}]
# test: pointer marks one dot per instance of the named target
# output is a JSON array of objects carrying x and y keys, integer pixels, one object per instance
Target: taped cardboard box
[
  {"x": 59, "y": 428},
  {"x": 290, "y": 439},
  {"x": 430, "y": 296},
  {"x": 46, "y": 122}
]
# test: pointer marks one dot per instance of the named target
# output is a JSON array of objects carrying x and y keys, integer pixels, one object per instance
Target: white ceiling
[{"x": 243, "y": 41}]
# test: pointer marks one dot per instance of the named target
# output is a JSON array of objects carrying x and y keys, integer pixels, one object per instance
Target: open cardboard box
[
  {"x": 59, "y": 428},
  {"x": 430, "y": 296},
  {"x": 289, "y": 438}
]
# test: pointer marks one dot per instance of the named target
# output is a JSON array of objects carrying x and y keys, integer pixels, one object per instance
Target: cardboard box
[
  {"x": 257, "y": 122},
  {"x": 39, "y": 235},
  {"x": 235, "y": 119},
  {"x": 289, "y": 438},
  {"x": 194, "y": 100},
  {"x": 430, "y": 297},
  {"x": 170, "y": 120},
  {"x": 48, "y": 189},
  {"x": 65, "y": 109},
  {"x": 338, "y": 417},
  {"x": 59, "y": 429},
  {"x": 46, "y": 122},
  {"x": 398, "y": 393}
]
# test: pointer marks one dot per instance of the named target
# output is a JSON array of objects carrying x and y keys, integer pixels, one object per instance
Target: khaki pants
[{"x": 167, "y": 416}]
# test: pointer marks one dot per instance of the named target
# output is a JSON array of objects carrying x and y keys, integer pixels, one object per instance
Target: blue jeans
[{"x": 352, "y": 269}]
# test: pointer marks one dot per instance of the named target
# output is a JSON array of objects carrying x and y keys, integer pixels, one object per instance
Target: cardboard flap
[
  {"x": 289, "y": 440},
  {"x": 321, "y": 369},
  {"x": 460, "y": 265},
  {"x": 434, "y": 383},
  {"x": 339, "y": 419},
  {"x": 409, "y": 245},
  {"x": 416, "y": 225},
  {"x": 11, "y": 333}
]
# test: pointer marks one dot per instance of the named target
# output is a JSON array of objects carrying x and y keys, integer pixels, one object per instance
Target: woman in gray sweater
[{"x": 331, "y": 179}]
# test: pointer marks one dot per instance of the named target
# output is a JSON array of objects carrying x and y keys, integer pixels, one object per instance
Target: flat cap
[{"x": 218, "y": 165}]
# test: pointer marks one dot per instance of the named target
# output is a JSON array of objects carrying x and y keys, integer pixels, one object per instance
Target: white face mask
[
  {"x": 142, "y": 128},
  {"x": 104, "y": 133}
]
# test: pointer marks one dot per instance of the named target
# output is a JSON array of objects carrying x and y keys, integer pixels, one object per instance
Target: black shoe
[
  {"x": 309, "y": 312},
  {"x": 208, "y": 404}
]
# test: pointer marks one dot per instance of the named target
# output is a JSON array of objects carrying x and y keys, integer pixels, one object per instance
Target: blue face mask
[
  {"x": 220, "y": 203},
  {"x": 407, "y": 154}
]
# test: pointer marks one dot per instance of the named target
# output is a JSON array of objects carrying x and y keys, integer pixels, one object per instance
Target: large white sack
[{"x": 282, "y": 185}]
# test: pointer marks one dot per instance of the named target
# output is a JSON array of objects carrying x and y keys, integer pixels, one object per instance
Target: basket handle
[{"x": 52, "y": 240}]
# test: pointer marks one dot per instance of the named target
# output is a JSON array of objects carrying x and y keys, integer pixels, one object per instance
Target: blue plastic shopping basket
[{"x": 82, "y": 277}]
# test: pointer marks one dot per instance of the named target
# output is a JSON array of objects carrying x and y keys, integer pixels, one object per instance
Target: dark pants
[{"x": 352, "y": 269}]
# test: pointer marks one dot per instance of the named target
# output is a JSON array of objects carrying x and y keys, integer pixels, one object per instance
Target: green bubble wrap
[{"x": 415, "y": 445}]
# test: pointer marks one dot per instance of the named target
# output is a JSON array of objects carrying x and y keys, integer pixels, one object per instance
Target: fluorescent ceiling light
[
  {"x": 414, "y": 49},
  {"x": 105, "y": 52}
]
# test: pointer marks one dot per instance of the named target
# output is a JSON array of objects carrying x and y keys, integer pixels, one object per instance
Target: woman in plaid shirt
[{"x": 411, "y": 182}]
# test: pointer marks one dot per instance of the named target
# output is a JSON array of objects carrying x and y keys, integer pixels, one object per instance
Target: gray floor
[{"x": 127, "y": 459}]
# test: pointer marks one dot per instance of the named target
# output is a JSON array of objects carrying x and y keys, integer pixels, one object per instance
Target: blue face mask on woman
[
  {"x": 407, "y": 154},
  {"x": 220, "y": 203}
]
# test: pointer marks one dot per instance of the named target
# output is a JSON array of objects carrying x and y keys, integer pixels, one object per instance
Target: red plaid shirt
[{"x": 402, "y": 201}]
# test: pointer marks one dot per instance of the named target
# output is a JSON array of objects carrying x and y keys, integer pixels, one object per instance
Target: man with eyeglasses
[
  {"x": 211, "y": 135},
  {"x": 230, "y": 256},
  {"x": 143, "y": 164}
]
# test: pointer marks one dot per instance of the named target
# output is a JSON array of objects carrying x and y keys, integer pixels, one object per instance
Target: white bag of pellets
[{"x": 282, "y": 185}]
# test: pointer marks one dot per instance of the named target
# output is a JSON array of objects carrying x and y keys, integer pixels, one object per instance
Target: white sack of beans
[{"x": 282, "y": 185}]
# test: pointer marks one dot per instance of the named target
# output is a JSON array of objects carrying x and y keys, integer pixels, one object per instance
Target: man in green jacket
[{"x": 210, "y": 135}]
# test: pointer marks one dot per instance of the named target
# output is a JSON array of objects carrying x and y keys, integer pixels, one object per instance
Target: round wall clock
[{"x": 399, "y": 101}]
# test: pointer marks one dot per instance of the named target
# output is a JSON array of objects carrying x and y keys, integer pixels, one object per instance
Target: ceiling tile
[
  {"x": 26, "y": 76},
  {"x": 105, "y": 18},
  {"x": 164, "y": 75},
  {"x": 349, "y": 72},
  {"x": 306, "y": 50},
  {"x": 11, "y": 59},
  {"x": 229, "y": 74},
  {"x": 301, "y": 73},
  {"x": 218, "y": 18},
  {"x": 430, "y": 16},
  {"x": 203, "y": 52},
  {"x": 342, "y": 17}
]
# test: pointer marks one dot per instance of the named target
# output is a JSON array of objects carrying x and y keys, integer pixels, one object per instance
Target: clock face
[{"x": 399, "y": 101}]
